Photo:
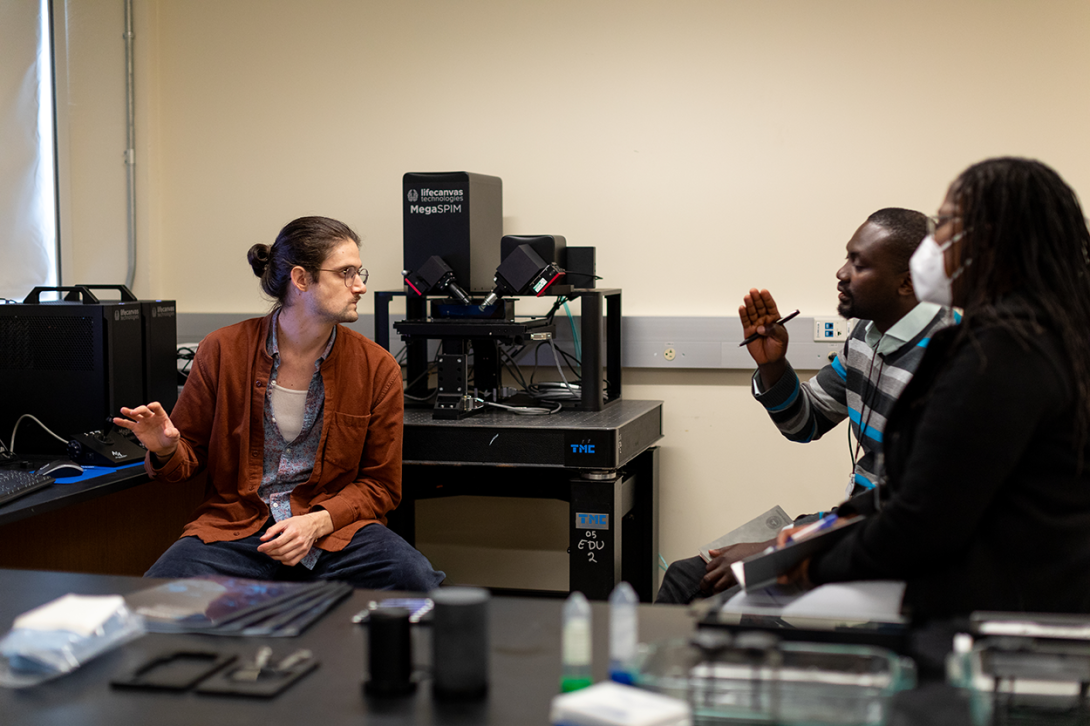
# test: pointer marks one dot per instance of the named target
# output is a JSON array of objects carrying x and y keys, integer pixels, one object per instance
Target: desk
[
  {"x": 61, "y": 495},
  {"x": 601, "y": 462},
  {"x": 524, "y": 667},
  {"x": 118, "y": 523}
]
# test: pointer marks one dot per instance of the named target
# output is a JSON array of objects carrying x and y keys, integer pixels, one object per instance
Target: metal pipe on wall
[{"x": 130, "y": 151}]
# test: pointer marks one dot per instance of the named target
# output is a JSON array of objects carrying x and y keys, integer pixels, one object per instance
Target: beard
[
  {"x": 328, "y": 311},
  {"x": 846, "y": 309},
  {"x": 348, "y": 315}
]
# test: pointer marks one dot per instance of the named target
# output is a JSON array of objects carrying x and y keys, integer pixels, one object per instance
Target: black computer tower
[
  {"x": 70, "y": 363},
  {"x": 159, "y": 324},
  {"x": 160, "y": 321}
]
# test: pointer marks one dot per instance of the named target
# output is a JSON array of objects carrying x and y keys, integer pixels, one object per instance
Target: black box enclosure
[
  {"x": 457, "y": 215},
  {"x": 70, "y": 365}
]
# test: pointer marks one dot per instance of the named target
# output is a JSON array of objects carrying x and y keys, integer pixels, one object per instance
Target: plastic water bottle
[
  {"x": 576, "y": 646},
  {"x": 623, "y": 633}
]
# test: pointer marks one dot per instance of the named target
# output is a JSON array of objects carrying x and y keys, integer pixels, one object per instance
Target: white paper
[
  {"x": 611, "y": 704},
  {"x": 863, "y": 600},
  {"x": 760, "y": 528},
  {"x": 80, "y": 614}
]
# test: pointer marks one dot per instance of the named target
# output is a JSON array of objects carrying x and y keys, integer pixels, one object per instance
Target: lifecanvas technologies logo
[{"x": 436, "y": 201}]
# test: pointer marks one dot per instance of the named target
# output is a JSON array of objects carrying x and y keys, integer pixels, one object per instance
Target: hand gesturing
[
  {"x": 758, "y": 312},
  {"x": 153, "y": 427}
]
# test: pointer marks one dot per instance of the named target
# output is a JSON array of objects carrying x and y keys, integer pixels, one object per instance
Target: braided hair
[{"x": 1025, "y": 233}]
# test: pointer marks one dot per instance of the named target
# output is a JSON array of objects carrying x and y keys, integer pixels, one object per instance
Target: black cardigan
[{"x": 986, "y": 510}]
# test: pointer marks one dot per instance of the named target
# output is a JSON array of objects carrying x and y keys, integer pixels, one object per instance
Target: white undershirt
[{"x": 288, "y": 406}]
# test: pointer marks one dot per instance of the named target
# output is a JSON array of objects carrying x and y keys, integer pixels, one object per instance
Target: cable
[
  {"x": 556, "y": 359},
  {"x": 556, "y": 306},
  {"x": 537, "y": 390},
  {"x": 533, "y": 373},
  {"x": 515, "y": 372},
  {"x": 868, "y": 404},
  {"x": 187, "y": 354},
  {"x": 570, "y": 361},
  {"x": 35, "y": 420},
  {"x": 574, "y": 333},
  {"x": 523, "y": 410},
  {"x": 569, "y": 358},
  {"x": 561, "y": 390},
  {"x": 428, "y": 370}
]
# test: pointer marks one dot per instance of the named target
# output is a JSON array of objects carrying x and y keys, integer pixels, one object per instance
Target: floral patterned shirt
[{"x": 289, "y": 463}]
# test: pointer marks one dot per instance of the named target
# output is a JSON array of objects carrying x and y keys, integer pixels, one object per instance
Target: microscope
[{"x": 462, "y": 278}]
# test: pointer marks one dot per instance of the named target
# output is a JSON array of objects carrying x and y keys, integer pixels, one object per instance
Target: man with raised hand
[
  {"x": 863, "y": 382},
  {"x": 297, "y": 421}
]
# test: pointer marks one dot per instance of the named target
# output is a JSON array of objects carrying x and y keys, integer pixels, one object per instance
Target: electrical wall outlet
[{"x": 830, "y": 329}]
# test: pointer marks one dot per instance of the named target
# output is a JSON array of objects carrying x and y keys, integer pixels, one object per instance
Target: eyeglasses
[
  {"x": 936, "y": 221},
  {"x": 350, "y": 274}
]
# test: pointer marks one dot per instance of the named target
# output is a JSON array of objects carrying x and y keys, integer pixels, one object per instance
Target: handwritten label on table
[{"x": 590, "y": 544}]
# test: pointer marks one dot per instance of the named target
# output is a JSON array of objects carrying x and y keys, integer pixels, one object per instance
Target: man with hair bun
[{"x": 298, "y": 422}]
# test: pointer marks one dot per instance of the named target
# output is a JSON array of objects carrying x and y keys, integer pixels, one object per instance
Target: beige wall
[{"x": 704, "y": 146}]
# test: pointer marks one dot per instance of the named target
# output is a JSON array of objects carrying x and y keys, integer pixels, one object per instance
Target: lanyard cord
[{"x": 864, "y": 423}]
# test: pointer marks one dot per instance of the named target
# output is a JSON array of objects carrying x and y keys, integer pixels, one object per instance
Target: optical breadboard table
[{"x": 603, "y": 463}]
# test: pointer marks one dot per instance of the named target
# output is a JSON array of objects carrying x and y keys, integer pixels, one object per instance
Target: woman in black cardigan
[{"x": 987, "y": 502}]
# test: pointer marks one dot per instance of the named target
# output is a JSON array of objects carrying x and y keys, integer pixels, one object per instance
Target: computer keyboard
[{"x": 14, "y": 484}]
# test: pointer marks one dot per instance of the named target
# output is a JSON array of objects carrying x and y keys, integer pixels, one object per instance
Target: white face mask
[{"x": 928, "y": 270}]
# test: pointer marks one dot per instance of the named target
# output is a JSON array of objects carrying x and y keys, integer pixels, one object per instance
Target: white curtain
[{"x": 28, "y": 254}]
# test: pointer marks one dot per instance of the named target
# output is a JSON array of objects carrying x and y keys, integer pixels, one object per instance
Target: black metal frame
[
  {"x": 601, "y": 312},
  {"x": 626, "y": 549}
]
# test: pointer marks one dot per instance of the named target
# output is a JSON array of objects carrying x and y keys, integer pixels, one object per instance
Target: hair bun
[{"x": 258, "y": 257}]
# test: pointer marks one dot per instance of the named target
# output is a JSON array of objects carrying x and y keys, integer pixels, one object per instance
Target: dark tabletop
[{"x": 524, "y": 667}]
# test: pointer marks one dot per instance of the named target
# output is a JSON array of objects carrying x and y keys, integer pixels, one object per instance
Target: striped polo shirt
[{"x": 861, "y": 384}]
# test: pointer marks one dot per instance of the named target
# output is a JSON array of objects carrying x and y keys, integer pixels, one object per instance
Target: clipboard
[{"x": 763, "y": 569}]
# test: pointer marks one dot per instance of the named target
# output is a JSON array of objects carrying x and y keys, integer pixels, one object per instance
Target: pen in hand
[
  {"x": 818, "y": 526},
  {"x": 781, "y": 321}
]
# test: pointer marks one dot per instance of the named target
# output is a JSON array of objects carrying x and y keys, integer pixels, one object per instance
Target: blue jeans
[{"x": 375, "y": 559}]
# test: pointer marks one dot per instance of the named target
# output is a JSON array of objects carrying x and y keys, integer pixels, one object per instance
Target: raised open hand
[
  {"x": 758, "y": 312},
  {"x": 153, "y": 427}
]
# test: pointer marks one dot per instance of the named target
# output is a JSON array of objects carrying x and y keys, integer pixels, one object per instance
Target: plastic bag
[{"x": 62, "y": 635}]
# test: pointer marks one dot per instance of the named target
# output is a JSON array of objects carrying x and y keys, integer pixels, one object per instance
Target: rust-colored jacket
[{"x": 357, "y": 472}]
